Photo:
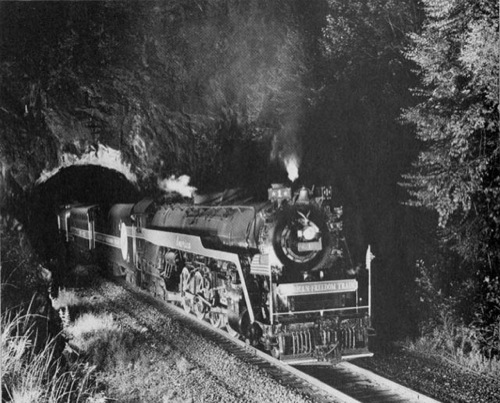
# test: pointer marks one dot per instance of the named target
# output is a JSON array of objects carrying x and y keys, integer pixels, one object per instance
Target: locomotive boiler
[{"x": 272, "y": 272}]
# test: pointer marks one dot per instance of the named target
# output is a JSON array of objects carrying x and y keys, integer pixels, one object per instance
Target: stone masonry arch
[{"x": 104, "y": 156}]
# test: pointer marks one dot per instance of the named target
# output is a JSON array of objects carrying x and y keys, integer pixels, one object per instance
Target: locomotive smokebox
[{"x": 301, "y": 239}]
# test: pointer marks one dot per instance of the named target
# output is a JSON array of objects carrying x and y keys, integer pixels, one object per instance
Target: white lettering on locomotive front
[{"x": 318, "y": 287}]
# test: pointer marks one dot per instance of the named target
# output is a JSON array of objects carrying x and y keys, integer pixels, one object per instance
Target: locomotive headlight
[
  {"x": 309, "y": 230},
  {"x": 308, "y": 233}
]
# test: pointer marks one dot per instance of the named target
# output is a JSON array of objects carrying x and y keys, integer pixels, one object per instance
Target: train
[{"x": 271, "y": 272}]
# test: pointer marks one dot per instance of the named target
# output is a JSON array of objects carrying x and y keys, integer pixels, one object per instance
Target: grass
[
  {"x": 115, "y": 352},
  {"x": 29, "y": 376},
  {"x": 456, "y": 343},
  {"x": 95, "y": 335},
  {"x": 104, "y": 361},
  {"x": 126, "y": 368},
  {"x": 65, "y": 299},
  {"x": 102, "y": 341},
  {"x": 118, "y": 354},
  {"x": 99, "y": 345}
]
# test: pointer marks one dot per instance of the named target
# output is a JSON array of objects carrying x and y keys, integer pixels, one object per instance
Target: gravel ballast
[
  {"x": 177, "y": 365},
  {"x": 434, "y": 377}
]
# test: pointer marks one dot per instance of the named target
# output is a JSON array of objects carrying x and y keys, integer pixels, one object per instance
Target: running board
[{"x": 354, "y": 356}]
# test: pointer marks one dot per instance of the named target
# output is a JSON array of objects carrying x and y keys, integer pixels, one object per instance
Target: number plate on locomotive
[{"x": 309, "y": 246}]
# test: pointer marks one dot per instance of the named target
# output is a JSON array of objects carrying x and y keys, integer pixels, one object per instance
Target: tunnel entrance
[{"x": 86, "y": 184}]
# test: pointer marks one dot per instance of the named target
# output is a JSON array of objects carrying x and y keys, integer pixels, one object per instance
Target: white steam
[
  {"x": 179, "y": 185},
  {"x": 292, "y": 167},
  {"x": 286, "y": 148}
]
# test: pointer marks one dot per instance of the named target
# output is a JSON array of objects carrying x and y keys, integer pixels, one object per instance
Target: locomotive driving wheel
[
  {"x": 275, "y": 352},
  {"x": 216, "y": 319},
  {"x": 184, "y": 288},
  {"x": 201, "y": 287}
]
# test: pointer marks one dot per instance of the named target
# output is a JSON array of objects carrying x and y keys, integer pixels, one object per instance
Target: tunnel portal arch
[{"x": 102, "y": 156}]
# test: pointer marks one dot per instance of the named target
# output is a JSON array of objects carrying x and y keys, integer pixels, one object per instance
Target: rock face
[
  {"x": 46, "y": 138},
  {"x": 149, "y": 90}
]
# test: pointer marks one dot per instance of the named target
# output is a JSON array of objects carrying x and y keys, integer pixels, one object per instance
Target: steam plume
[
  {"x": 286, "y": 148},
  {"x": 292, "y": 167},
  {"x": 179, "y": 185}
]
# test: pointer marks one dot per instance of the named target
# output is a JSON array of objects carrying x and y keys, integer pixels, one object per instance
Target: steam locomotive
[{"x": 272, "y": 272}]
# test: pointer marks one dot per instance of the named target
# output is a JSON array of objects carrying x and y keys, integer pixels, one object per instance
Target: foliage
[
  {"x": 440, "y": 290},
  {"x": 364, "y": 82},
  {"x": 457, "y": 119},
  {"x": 102, "y": 341},
  {"x": 361, "y": 34},
  {"x": 124, "y": 364},
  {"x": 433, "y": 301},
  {"x": 66, "y": 298},
  {"x": 487, "y": 321},
  {"x": 458, "y": 174},
  {"x": 457, "y": 343},
  {"x": 451, "y": 307},
  {"x": 443, "y": 315},
  {"x": 29, "y": 376},
  {"x": 356, "y": 142},
  {"x": 458, "y": 316}
]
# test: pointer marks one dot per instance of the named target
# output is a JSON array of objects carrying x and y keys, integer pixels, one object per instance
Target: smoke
[
  {"x": 179, "y": 185},
  {"x": 286, "y": 149},
  {"x": 260, "y": 81}
]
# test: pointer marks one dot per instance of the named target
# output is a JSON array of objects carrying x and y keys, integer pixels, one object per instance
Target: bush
[
  {"x": 443, "y": 329},
  {"x": 435, "y": 307},
  {"x": 104, "y": 344},
  {"x": 487, "y": 319}
]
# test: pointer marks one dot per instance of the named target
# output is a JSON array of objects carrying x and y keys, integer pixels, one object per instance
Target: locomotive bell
[{"x": 303, "y": 196}]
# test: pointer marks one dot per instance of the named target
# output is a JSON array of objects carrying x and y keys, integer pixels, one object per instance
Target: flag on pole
[
  {"x": 260, "y": 265},
  {"x": 369, "y": 257}
]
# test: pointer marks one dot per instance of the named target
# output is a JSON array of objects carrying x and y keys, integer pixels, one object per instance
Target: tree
[
  {"x": 457, "y": 174},
  {"x": 356, "y": 141}
]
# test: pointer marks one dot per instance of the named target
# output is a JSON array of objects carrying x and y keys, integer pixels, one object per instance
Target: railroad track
[
  {"x": 363, "y": 385},
  {"x": 344, "y": 382}
]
